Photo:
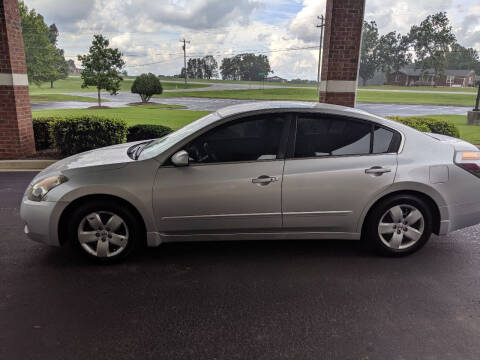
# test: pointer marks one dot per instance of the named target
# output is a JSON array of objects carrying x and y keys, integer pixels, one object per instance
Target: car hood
[{"x": 110, "y": 155}]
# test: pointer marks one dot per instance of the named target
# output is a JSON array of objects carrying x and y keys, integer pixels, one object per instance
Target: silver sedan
[{"x": 265, "y": 170}]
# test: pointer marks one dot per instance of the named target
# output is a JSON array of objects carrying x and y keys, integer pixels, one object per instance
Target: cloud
[
  {"x": 193, "y": 14},
  {"x": 303, "y": 25},
  {"x": 148, "y": 31}
]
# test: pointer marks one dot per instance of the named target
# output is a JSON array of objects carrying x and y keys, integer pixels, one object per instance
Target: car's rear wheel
[
  {"x": 399, "y": 225},
  {"x": 104, "y": 231}
]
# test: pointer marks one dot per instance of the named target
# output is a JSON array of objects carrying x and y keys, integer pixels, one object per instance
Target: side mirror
[{"x": 180, "y": 158}]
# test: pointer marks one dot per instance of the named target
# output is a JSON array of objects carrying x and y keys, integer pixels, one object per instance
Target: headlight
[{"x": 38, "y": 191}]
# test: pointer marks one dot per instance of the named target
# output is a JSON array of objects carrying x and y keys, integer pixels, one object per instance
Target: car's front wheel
[
  {"x": 399, "y": 225},
  {"x": 104, "y": 231}
]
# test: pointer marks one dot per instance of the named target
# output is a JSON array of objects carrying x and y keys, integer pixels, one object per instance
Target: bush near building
[
  {"x": 147, "y": 132},
  {"x": 74, "y": 134},
  {"x": 425, "y": 124}
]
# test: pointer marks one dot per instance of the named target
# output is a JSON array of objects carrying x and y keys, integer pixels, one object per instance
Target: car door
[
  {"x": 233, "y": 181},
  {"x": 335, "y": 166}
]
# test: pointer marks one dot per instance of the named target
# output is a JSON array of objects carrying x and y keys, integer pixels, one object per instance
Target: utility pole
[
  {"x": 321, "y": 26},
  {"x": 184, "y": 47}
]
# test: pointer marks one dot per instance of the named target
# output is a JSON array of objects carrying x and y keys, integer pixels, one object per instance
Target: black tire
[
  {"x": 136, "y": 234},
  {"x": 371, "y": 233}
]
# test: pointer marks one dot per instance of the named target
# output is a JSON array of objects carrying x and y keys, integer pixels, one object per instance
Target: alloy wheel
[
  {"x": 401, "y": 227},
  {"x": 103, "y": 234}
]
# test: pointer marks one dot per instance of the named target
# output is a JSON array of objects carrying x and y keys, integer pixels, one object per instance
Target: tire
[
  {"x": 104, "y": 231},
  {"x": 399, "y": 225}
]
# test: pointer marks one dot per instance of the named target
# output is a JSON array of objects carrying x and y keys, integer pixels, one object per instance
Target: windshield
[{"x": 158, "y": 146}]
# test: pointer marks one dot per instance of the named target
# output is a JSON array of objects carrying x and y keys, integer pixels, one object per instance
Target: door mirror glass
[{"x": 180, "y": 158}]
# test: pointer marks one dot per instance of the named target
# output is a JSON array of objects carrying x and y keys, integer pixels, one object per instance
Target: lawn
[
  {"x": 74, "y": 84},
  {"x": 150, "y": 114},
  {"x": 266, "y": 94},
  {"x": 307, "y": 94},
  {"x": 419, "y": 88},
  {"x": 241, "y": 82},
  {"x": 37, "y": 98}
]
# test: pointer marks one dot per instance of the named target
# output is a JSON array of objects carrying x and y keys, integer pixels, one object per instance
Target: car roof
[{"x": 258, "y": 106}]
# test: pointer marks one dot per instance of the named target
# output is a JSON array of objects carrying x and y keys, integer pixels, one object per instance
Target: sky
[{"x": 149, "y": 32}]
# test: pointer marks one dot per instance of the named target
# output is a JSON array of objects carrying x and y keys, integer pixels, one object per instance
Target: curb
[{"x": 25, "y": 165}]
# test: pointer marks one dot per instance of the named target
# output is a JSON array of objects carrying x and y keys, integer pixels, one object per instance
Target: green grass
[
  {"x": 36, "y": 98},
  {"x": 307, "y": 94},
  {"x": 242, "y": 82},
  {"x": 74, "y": 84},
  {"x": 419, "y": 88},
  {"x": 266, "y": 94},
  {"x": 415, "y": 98},
  {"x": 150, "y": 114}
]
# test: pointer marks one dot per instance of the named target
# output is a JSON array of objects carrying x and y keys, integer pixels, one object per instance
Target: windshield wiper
[{"x": 140, "y": 148}]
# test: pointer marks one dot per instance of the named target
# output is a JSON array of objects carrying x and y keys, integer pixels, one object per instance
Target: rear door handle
[
  {"x": 377, "y": 170},
  {"x": 264, "y": 180}
]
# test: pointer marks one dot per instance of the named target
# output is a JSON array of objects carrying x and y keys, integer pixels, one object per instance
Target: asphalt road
[
  {"x": 207, "y": 104},
  {"x": 239, "y": 300}
]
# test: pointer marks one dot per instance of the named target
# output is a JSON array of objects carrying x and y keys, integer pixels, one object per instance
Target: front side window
[
  {"x": 336, "y": 136},
  {"x": 252, "y": 139}
]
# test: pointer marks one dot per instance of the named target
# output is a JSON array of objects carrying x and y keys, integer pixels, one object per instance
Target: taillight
[{"x": 469, "y": 160}]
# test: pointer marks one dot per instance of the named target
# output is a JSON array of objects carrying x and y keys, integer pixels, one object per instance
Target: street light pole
[{"x": 321, "y": 26}]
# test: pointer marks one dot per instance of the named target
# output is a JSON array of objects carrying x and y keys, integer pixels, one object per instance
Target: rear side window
[
  {"x": 382, "y": 138},
  {"x": 336, "y": 136}
]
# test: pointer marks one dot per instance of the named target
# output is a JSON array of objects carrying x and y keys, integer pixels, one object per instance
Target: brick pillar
[
  {"x": 341, "y": 51},
  {"x": 16, "y": 132}
]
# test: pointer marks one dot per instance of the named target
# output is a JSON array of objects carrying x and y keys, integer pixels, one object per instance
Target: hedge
[
  {"x": 146, "y": 132},
  {"x": 41, "y": 133},
  {"x": 72, "y": 135},
  {"x": 425, "y": 124}
]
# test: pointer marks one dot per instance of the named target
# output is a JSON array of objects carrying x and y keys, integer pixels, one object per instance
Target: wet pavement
[{"x": 237, "y": 300}]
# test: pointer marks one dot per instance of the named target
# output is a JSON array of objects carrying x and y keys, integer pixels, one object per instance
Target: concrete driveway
[
  {"x": 237, "y": 300},
  {"x": 207, "y": 104}
]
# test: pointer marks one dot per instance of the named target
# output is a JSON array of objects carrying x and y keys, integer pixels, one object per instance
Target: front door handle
[
  {"x": 264, "y": 180},
  {"x": 377, "y": 170}
]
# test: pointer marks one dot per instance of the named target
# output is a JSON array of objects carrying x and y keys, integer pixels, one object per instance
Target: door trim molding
[
  {"x": 215, "y": 216},
  {"x": 314, "y": 213}
]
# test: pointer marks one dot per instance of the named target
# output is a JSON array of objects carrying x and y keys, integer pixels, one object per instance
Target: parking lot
[{"x": 237, "y": 300}]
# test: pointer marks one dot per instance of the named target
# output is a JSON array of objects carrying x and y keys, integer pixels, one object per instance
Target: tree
[
  {"x": 53, "y": 34},
  {"x": 58, "y": 67},
  {"x": 393, "y": 52},
  {"x": 147, "y": 85},
  {"x": 432, "y": 40},
  {"x": 201, "y": 68},
  {"x": 101, "y": 67},
  {"x": 245, "y": 67},
  {"x": 461, "y": 58},
  {"x": 369, "y": 57},
  {"x": 37, "y": 45},
  {"x": 210, "y": 67},
  {"x": 45, "y": 62}
]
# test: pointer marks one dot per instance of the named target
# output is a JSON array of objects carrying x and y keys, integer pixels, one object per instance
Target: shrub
[
  {"x": 146, "y": 132},
  {"x": 147, "y": 85},
  {"x": 75, "y": 134},
  {"x": 425, "y": 124},
  {"x": 41, "y": 133}
]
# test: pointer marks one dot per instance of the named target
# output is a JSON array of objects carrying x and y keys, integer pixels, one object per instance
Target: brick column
[
  {"x": 16, "y": 132},
  {"x": 341, "y": 51}
]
